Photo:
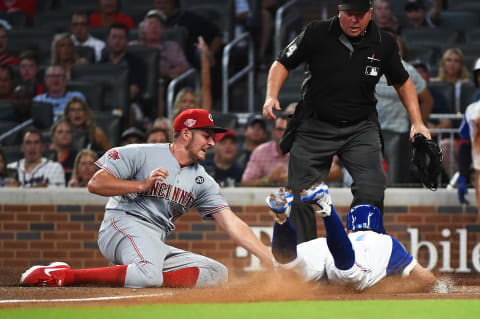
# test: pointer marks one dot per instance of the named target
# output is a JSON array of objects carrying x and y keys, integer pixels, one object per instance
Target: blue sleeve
[{"x": 399, "y": 259}]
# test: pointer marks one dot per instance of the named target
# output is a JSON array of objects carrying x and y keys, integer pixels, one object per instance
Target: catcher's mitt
[{"x": 427, "y": 157}]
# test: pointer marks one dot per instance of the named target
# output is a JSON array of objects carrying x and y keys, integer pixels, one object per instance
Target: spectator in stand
[
  {"x": 5, "y": 57},
  {"x": 116, "y": 53},
  {"x": 108, "y": 14},
  {"x": 29, "y": 7},
  {"x": 34, "y": 170},
  {"x": 439, "y": 102},
  {"x": 267, "y": 164},
  {"x": 81, "y": 36},
  {"x": 28, "y": 69},
  {"x": 84, "y": 168},
  {"x": 6, "y": 83},
  {"x": 5, "y": 179},
  {"x": 86, "y": 134},
  {"x": 383, "y": 15},
  {"x": 418, "y": 17},
  {"x": 394, "y": 120},
  {"x": 22, "y": 103},
  {"x": 163, "y": 123},
  {"x": 63, "y": 53},
  {"x": 172, "y": 60},
  {"x": 132, "y": 135},
  {"x": 476, "y": 80},
  {"x": 157, "y": 135},
  {"x": 452, "y": 70},
  {"x": 57, "y": 94},
  {"x": 255, "y": 133},
  {"x": 61, "y": 147},
  {"x": 221, "y": 165},
  {"x": 196, "y": 26}
]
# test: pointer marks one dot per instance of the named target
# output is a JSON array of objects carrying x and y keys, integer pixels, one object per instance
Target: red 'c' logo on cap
[{"x": 190, "y": 122}]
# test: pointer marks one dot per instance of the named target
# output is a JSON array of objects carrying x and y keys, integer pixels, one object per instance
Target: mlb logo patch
[{"x": 371, "y": 70}]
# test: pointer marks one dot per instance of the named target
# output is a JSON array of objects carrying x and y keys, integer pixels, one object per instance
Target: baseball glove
[{"x": 427, "y": 157}]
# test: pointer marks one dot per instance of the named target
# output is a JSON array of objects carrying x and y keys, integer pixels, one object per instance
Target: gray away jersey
[{"x": 183, "y": 188}]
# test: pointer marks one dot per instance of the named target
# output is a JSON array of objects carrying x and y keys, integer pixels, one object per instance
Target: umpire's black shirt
[{"x": 340, "y": 77}]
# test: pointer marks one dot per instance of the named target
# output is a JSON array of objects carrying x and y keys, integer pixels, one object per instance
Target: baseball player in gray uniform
[{"x": 150, "y": 186}]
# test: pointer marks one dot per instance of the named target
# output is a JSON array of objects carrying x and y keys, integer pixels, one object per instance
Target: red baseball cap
[
  {"x": 228, "y": 133},
  {"x": 196, "y": 118}
]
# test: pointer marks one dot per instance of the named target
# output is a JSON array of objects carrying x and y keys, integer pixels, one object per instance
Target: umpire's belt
[{"x": 340, "y": 123}]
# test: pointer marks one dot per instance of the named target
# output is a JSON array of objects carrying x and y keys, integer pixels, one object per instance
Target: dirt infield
[{"x": 255, "y": 288}]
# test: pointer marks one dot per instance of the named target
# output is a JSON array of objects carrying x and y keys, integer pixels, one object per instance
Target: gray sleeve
[
  {"x": 122, "y": 162},
  {"x": 417, "y": 79},
  {"x": 209, "y": 199}
]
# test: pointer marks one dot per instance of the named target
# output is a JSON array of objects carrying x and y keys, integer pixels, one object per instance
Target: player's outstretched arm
[
  {"x": 243, "y": 235},
  {"x": 105, "y": 184}
]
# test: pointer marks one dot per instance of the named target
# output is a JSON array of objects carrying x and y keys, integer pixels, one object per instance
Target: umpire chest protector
[{"x": 341, "y": 73}]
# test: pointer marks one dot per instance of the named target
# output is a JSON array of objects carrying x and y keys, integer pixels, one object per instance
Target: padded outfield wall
[{"x": 44, "y": 225}]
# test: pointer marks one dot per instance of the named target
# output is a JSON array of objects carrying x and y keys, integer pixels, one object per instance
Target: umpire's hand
[
  {"x": 419, "y": 128},
  {"x": 270, "y": 104}
]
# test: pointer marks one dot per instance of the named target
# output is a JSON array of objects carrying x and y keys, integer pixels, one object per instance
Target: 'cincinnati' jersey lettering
[{"x": 177, "y": 195}]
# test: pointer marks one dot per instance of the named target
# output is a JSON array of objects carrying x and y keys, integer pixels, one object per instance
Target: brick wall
[{"x": 39, "y": 233}]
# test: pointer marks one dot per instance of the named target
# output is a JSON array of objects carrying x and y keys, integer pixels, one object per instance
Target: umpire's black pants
[{"x": 316, "y": 142}]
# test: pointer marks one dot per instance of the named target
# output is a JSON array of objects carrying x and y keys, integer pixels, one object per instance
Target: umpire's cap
[
  {"x": 354, "y": 5},
  {"x": 196, "y": 118},
  {"x": 365, "y": 217}
]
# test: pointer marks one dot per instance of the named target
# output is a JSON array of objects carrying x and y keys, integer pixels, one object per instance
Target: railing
[
  {"x": 172, "y": 88},
  {"x": 15, "y": 129},
  {"x": 280, "y": 23},
  {"x": 247, "y": 70}
]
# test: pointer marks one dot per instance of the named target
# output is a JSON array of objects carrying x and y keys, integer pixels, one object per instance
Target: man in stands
[{"x": 34, "y": 170}]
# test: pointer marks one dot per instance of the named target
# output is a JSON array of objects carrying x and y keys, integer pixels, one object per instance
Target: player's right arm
[{"x": 105, "y": 184}]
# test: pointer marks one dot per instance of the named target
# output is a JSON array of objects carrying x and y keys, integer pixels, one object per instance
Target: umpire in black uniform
[{"x": 344, "y": 58}]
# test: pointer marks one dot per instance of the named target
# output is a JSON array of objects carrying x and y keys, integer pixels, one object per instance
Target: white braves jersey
[
  {"x": 376, "y": 256},
  {"x": 183, "y": 188}
]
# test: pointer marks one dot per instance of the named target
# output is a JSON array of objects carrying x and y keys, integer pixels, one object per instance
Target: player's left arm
[
  {"x": 408, "y": 96},
  {"x": 420, "y": 279},
  {"x": 243, "y": 235}
]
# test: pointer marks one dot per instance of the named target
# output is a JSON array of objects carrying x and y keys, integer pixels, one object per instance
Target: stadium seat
[
  {"x": 27, "y": 39},
  {"x": 110, "y": 124},
  {"x": 100, "y": 33},
  {"x": 113, "y": 78},
  {"x": 467, "y": 91},
  {"x": 225, "y": 119},
  {"x": 458, "y": 20},
  {"x": 447, "y": 90},
  {"x": 55, "y": 21},
  {"x": 12, "y": 139},
  {"x": 69, "y": 5},
  {"x": 178, "y": 34},
  {"x": 149, "y": 56},
  {"x": 126, "y": 5},
  {"x": 6, "y": 110},
  {"x": 219, "y": 12},
  {"x": 85, "y": 52},
  {"x": 42, "y": 114},
  {"x": 93, "y": 92},
  {"x": 430, "y": 38},
  {"x": 16, "y": 19},
  {"x": 426, "y": 55},
  {"x": 472, "y": 36}
]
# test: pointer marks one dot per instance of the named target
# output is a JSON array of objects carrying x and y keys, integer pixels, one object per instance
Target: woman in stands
[
  {"x": 83, "y": 169},
  {"x": 63, "y": 53},
  {"x": 61, "y": 146},
  {"x": 452, "y": 67},
  {"x": 85, "y": 132}
]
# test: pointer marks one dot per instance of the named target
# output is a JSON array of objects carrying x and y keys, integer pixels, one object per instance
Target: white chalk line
[{"x": 83, "y": 299}]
